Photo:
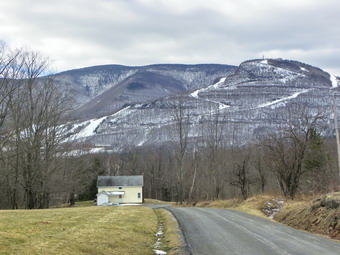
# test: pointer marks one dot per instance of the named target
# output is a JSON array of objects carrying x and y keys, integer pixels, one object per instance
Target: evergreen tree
[{"x": 315, "y": 157}]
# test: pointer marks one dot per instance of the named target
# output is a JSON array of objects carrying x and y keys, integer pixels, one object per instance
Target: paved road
[{"x": 222, "y": 232}]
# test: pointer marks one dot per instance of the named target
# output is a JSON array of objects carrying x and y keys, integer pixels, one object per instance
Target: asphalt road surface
[{"x": 215, "y": 231}]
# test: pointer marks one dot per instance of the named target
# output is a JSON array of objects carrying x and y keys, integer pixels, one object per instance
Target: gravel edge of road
[{"x": 184, "y": 248}]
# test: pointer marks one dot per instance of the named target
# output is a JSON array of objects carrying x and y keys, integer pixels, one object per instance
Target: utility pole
[{"x": 336, "y": 133}]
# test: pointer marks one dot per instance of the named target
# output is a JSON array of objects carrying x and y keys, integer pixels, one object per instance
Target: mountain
[
  {"x": 246, "y": 101},
  {"x": 103, "y": 90}
]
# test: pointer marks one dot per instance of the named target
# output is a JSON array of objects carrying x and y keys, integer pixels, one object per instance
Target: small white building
[{"x": 120, "y": 189}]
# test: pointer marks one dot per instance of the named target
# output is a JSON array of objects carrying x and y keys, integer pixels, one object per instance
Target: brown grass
[
  {"x": 306, "y": 216},
  {"x": 253, "y": 205},
  {"x": 85, "y": 230},
  {"x": 84, "y": 203},
  {"x": 172, "y": 243},
  {"x": 155, "y": 201}
]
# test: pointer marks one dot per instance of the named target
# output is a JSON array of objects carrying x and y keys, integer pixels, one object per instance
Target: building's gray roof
[{"x": 107, "y": 181}]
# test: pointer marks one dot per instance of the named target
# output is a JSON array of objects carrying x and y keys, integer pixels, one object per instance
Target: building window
[
  {"x": 120, "y": 188},
  {"x": 139, "y": 194},
  {"x": 120, "y": 196}
]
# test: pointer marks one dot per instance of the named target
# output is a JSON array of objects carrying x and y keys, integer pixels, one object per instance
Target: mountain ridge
[
  {"x": 251, "y": 99},
  {"x": 90, "y": 83}
]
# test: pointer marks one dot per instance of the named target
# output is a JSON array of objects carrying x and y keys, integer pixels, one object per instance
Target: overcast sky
[{"x": 79, "y": 33}]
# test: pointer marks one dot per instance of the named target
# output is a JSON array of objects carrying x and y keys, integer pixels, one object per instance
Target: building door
[{"x": 120, "y": 198}]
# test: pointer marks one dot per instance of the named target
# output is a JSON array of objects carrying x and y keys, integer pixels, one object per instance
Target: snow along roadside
[{"x": 173, "y": 237}]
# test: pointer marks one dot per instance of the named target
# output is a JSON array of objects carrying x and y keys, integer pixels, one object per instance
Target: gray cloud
[{"x": 77, "y": 33}]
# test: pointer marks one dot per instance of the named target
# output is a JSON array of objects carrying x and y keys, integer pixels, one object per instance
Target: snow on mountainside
[
  {"x": 248, "y": 101},
  {"x": 334, "y": 81},
  {"x": 88, "y": 83},
  {"x": 138, "y": 88},
  {"x": 281, "y": 100}
]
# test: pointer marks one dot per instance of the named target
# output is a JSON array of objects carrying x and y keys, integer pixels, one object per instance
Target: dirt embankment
[{"x": 321, "y": 215}]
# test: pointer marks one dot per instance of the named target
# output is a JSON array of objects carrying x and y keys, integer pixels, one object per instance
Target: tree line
[
  {"x": 31, "y": 109},
  {"x": 291, "y": 159}
]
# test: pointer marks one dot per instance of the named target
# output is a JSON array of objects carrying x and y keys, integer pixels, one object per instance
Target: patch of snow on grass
[
  {"x": 159, "y": 252},
  {"x": 282, "y": 99},
  {"x": 334, "y": 81},
  {"x": 272, "y": 207},
  {"x": 160, "y": 232},
  {"x": 158, "y": 243},
  {"x": 275, "y": 211}
]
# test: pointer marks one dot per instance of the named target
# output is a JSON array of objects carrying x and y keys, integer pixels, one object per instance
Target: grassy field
[
  {"x": 155, "y": 201},
  {"x": 83, "y": 230}
]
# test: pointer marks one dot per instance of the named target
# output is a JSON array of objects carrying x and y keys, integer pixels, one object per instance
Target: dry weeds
[
  {"x": 253, "y": 205},
  {"x": 313, "y": 216}
]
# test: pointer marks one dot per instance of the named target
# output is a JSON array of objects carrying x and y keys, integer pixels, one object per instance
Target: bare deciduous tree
[
  {"x": 241, "y": 176},
  {"x": 33, "y": 130},
  {"x": 216, "y": 168},
  {"x": 181, "y": 119},
  {"x": 288, "y": 148},
  {"x": 260, "y": 165}
]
